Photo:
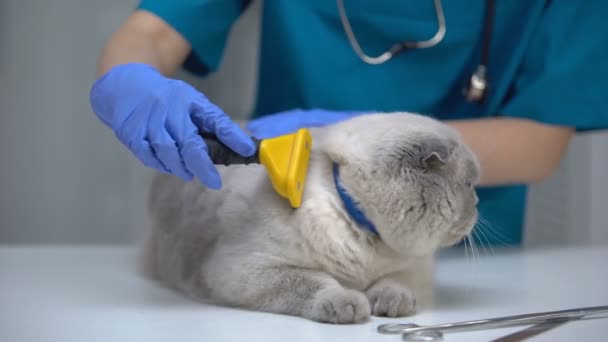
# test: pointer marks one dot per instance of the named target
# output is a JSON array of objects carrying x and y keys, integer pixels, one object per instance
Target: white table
[{"x": 93, "y": 294}]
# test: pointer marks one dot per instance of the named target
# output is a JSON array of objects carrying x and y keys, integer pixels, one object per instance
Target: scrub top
[{"x": 548, "y": 62}]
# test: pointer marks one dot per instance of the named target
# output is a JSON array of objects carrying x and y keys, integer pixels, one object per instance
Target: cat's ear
[
  {"x": 437, "y": 153},
  {"x": 434, "y": 160}
]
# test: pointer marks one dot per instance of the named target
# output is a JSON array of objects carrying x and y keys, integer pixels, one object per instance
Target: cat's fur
[{"x": 244, "y": 246}]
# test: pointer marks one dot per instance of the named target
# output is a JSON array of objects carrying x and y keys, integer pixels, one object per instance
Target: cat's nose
[{"x": 476, "y": 200}]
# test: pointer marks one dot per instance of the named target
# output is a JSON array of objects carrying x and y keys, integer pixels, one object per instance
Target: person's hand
[
  {"x": 273, "y": 125},
  {"x": 159, "y": 119}
]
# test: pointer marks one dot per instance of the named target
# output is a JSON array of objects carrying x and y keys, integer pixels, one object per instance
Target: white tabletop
[{"x": 93, "y": 294}]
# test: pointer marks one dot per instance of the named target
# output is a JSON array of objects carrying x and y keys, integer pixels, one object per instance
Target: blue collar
[{"x": 349, "y": 204}]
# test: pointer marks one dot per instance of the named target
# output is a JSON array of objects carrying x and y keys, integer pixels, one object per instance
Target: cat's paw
[
  {"x": 391, "y": 299},
  {"x": 339, "y": 305}
]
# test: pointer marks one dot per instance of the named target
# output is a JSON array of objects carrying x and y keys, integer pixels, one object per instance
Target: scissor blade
[
  {"x": 536, "y": 329},
  {"x": 496, "y": 322}
]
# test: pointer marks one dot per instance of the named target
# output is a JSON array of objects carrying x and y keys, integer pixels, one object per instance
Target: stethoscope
[{"x": 477, "y": 87}]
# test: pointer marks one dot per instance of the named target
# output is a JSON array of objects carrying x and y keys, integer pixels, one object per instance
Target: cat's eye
[{"x": 468, "y": 184}]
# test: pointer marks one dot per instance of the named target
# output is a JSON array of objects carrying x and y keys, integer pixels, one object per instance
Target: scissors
[{"x": 415, "y": 332}]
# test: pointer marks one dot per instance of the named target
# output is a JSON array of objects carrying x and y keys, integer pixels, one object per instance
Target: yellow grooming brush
[{"x": 284, "y": 157}]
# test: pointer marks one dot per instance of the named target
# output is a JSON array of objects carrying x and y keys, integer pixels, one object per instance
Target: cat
[{"x": 410, "y": 180}]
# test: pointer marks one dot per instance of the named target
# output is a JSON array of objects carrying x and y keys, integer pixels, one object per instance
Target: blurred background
[{"x": 65, "y": 178}]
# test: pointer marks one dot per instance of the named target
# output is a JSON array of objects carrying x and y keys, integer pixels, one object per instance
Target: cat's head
[{"x": 411, "y": 175}]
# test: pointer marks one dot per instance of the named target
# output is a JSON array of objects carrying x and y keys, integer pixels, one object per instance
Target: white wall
[
  {"x": 64, "y": 178},
  {"x": 571, "y": 207},
  {"x": 551, "y": 204},
  {"x": 598, "y": 202}
]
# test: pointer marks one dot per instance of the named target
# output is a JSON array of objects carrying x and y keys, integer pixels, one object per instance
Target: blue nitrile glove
[
  {"x": 159, "y": 120},
  {"x": 290, "y": 121}
]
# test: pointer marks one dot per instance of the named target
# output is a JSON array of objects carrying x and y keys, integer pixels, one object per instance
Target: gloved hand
[
  {"x": 290, "y": 121},
  {"x": 159, "y": 120}
]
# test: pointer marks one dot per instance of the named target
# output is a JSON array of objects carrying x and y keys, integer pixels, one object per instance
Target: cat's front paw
[
  {"x": 339, "y": 305},
  {"x": 391, "y": 299}
]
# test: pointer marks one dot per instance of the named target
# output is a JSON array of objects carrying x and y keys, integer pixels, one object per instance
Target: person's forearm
[
  {"x": 514, "y": 151},
  {"x": 144, "y": 38}
]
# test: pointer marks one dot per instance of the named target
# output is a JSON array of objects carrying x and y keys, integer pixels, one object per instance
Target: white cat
[{"x": 383, "y": 193}]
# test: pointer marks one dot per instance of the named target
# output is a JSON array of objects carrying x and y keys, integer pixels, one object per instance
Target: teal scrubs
[{"x": 548, "y": 62}]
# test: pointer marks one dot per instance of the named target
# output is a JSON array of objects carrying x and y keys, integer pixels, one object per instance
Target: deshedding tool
[{"x": 285, "y": 158}]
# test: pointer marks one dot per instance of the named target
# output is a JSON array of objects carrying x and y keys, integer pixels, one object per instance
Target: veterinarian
[{"x": 516, "y": 78}]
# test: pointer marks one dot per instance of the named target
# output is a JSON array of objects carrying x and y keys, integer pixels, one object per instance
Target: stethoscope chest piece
[{"x": 477, "y": 87}]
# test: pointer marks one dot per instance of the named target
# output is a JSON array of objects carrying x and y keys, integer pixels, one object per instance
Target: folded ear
[
  {"x": 436, "y": 152},
  {"x": 435, "y": 160}
]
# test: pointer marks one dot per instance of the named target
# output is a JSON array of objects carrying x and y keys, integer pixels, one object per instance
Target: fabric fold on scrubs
[{"x": 563, "y": 79}]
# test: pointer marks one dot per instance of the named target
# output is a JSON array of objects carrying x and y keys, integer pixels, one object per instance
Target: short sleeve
[
  {"x": 205, "y": 24},
  {"x": 563, "y": 79}
]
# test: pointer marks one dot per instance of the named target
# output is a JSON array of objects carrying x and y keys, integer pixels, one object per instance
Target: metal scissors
[{"x": 415, "y": 332}]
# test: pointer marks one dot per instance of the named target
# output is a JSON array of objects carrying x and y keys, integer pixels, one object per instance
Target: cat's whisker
[
  {"x": 475, "y": 241},
  {"x": 473, "y": 248},
  {"x": 493, "y": 232},
  {"x": 487, "y": 227},
  {"x": 473, "y": 271},
  {"x": 466, "y": 250},
  {"x": 470, "y": 249},
  {"x": 476, "y": 248},
  {"x": 477, "y": 235},
  {"x": 483, "y": 235}
]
